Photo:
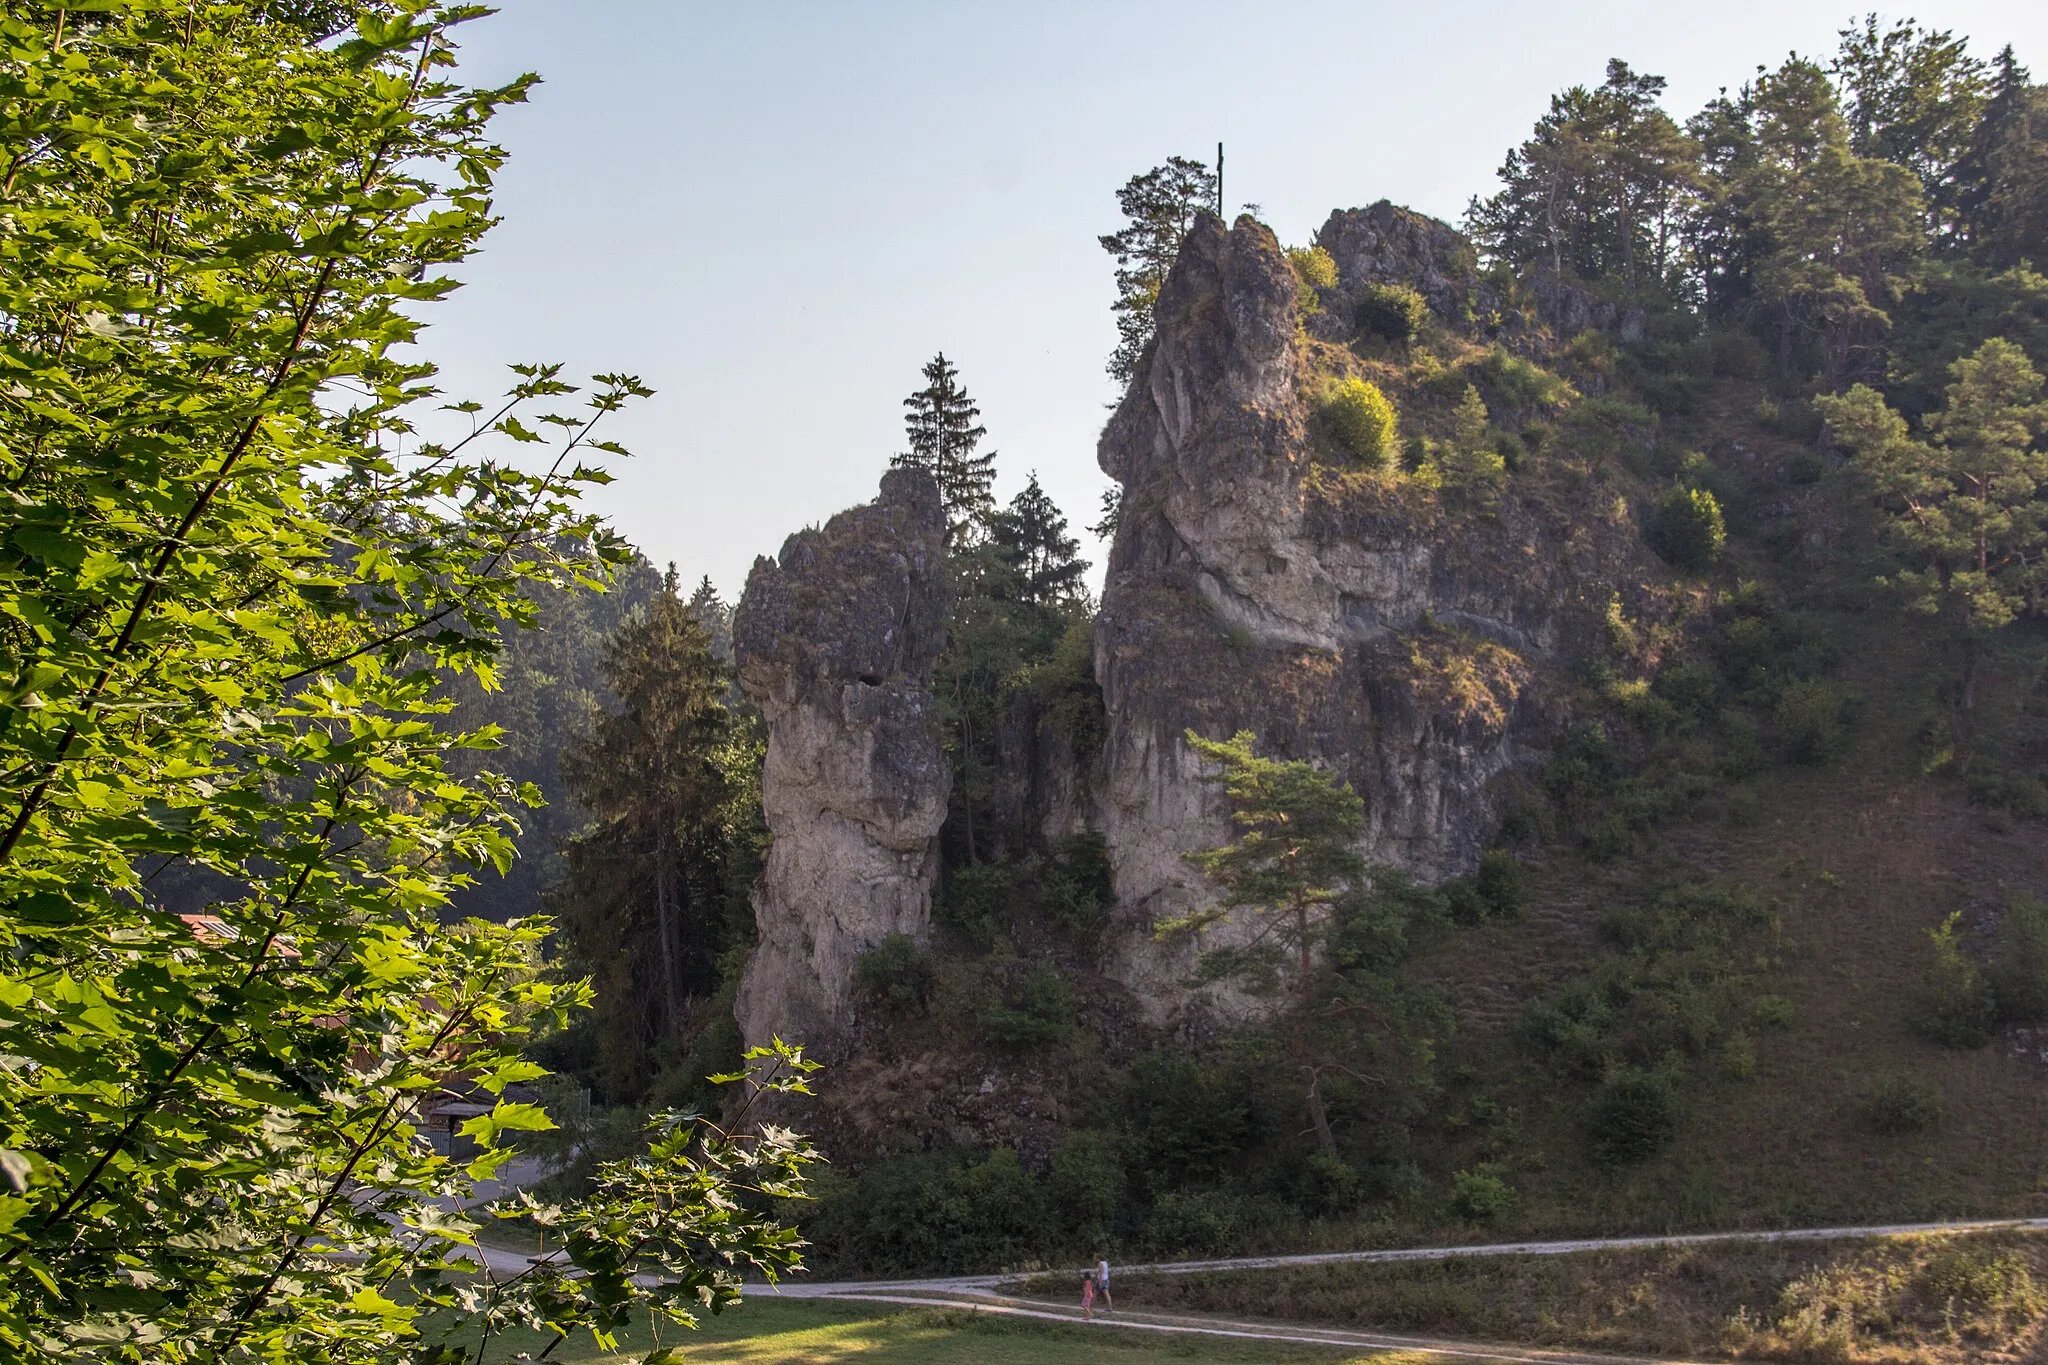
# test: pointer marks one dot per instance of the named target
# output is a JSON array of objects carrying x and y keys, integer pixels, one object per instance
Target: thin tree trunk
[
  {"x": 1318, "y": 1117},
  {"x": 967, "y": 774},
  {"x": 665, "y": 917}
]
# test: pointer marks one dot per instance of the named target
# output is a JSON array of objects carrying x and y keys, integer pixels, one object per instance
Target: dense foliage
[{"x": 233, "y": 580}]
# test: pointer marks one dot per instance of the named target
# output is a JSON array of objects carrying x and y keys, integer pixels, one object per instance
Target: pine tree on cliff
[
  {"x": 1287, "y": 876},
  {"x": 944, "y": 432},
  {"x": 1032, "y": 532},
  {"x": 1596, "y": 192},
  {"x": 643, "y": 902},
  {"x": 1161, "y": 205}
]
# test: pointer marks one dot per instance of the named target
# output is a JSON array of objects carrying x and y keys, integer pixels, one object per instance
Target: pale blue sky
[{"x": 774, "y": 213}]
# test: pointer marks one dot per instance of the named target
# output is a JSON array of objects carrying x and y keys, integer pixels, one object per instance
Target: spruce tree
[
  {"x": 643, "y": 902},
  {"x": 1033, "y": 533},
  {"x": 943, "y": 430},
  {"x": 1161, "y": 205}
]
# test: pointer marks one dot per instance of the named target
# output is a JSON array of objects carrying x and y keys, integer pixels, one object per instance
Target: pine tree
[
  {"x": 943, "y": 432},
  {"x": 644, "y": 902},
  {"x": 1161, "y": 205},
  {"x": 1835, "y": 226},
  {"x": 1595, "y": 192},
  {"x": 1033, "y": 533},
  {"x": 1966, "y": 506},
  {"x": 1286, "y": 875},
  {"x": 1914, "y": 97}
]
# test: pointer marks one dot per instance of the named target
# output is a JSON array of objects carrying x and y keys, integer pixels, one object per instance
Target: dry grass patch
[{"x": 1927, "y": 1300}]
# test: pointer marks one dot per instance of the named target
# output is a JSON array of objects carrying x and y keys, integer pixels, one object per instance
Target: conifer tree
[
  {"x": 1160, "y": 205},
  {"x": 2004, "y": 179},
  {"x": 1914, "y": 97},
  {"x": 1292, "y": 866},
  {"x": 1595, "y": 192},
  {"x": 1835, "y": 226},
  {"x": 1966, "y": 506},
  {"x": 644, "y": 901},
  {"x": 944, "y": 431},
  {"x": 1033, "y": 532}
]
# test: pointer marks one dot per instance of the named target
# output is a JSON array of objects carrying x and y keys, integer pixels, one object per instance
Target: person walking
[
  {"x": 1088, "y": 1296},
  {"x": 1102, "y": 1285}
]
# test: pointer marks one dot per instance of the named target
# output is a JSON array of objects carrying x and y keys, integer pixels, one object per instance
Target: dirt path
[
  {"x": 971, "y": 1283},
  {"x": 985, "y": 1293}
]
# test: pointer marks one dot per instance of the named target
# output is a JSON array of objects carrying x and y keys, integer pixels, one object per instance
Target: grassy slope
[
  {"x": 814, "y": 1333},
  {"x": 1864, "y": 854},
  {"x": 1926, "y": 1299}
]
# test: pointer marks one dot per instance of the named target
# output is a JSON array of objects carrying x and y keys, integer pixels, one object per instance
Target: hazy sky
[{"x": 774, "y": 213}]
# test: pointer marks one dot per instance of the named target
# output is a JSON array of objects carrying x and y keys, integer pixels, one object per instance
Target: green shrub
[
  {"x": 1738, "y": 1056},
  {"x": 1079, "y": 888},
  {"x": 1087, "y": 1185},
  {"x": 1313, "y": 270},
  {"x": 934, "y": 1212},
  {"x": 1331, "y": 1185},
  {"x": 1187, "y": 1122},
  {"x": 1900, "y": 1105},
  {"x": 1810, "y": 720},
  {"x": 1037, "y": 1012},
  {"x": 1634, "y": 1117},
  {"x": 1495, "y": 891},
  {"x": 1519, "y": 383},
  {"x": 1687, "y": 529},
  {"x": 1957, "y": 1008},
  {"x": 976, "y": 901},
  {"x": 896, "y": 973},
  {"x": 1362, "y": 420},
  {"x": 1805, "y": 468},
  {"x": 2019, "y": 794},
  {"x": 2018, "y": 971},
  {"x": 1065, "y": 686},
  {"x": 1738, "y": 355},
  {"x": 1797, "y": 420},
  {"x": 1391, "y": 312},
  {"x": 1514, "y": 454},
  {"x": 1206, "y": 1223},
  {"x": 1773, "y": 1011},
  {"x": 1481, "y": 1194},
  {"x": 1982, "y": 1279}
]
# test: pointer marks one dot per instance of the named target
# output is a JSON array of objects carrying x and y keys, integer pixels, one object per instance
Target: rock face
[
  {"x": 1387, "y": 244},
  {"x": 1409, "y": 647},
  {"x": 835, "y": 641}
]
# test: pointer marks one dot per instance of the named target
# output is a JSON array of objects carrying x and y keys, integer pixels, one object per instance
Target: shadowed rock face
[
  {"x": 835, "y": 643},
  {"x": 1411, "y": 649}
]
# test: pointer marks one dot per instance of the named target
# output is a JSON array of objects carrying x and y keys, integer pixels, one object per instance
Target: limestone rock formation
[
  {"x": 1410, "y": 649},
  {"x": 835, "y": 641}
]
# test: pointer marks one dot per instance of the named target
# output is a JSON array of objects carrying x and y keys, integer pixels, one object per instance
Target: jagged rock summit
[
  {"x": 835, "y": 641},
  {"x": 1413, "y": 642}
]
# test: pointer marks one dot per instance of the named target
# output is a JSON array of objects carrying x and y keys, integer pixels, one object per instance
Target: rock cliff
[
  {"x": 1412, "y": 644},
  {"x": 835, "y": 643}
]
